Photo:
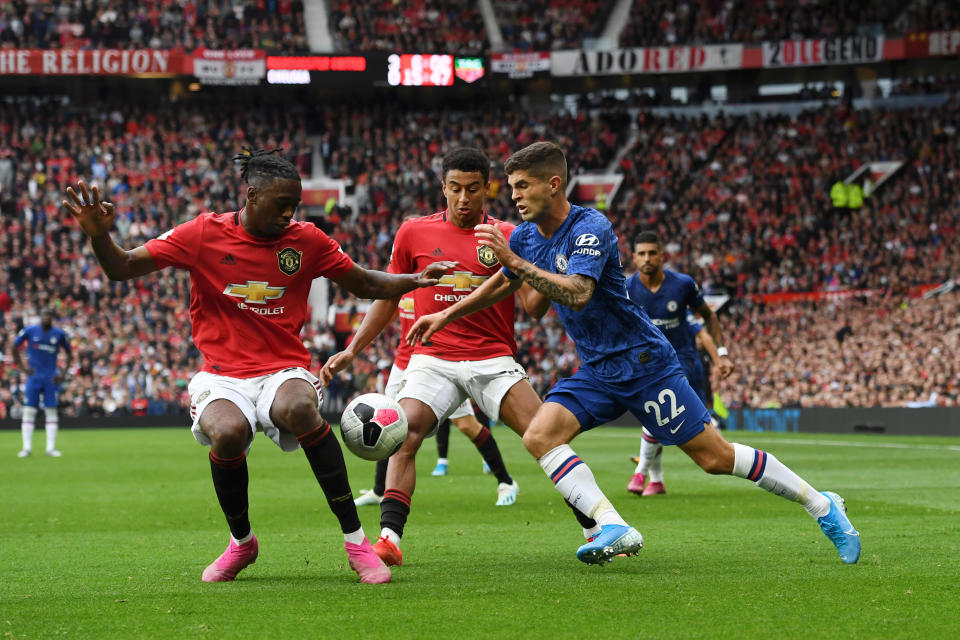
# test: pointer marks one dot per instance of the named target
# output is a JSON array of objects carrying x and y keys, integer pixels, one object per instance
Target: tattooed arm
[{"x": 572, "y": 291}]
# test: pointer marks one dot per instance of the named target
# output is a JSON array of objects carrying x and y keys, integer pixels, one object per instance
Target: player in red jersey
[
  {"x": 472, "y": 357},
  {"x": 380, "y": 315},
  {"x": 250, "y": 273}
]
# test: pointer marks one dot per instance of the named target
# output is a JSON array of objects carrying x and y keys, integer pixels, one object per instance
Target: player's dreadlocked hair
[{"x": 261, "y": 167}]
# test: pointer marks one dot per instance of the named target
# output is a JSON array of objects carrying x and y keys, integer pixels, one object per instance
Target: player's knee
[
  {"x": 228, "y": 439},
  {"x": 715, "y": 463},
  {"x": 539, "y": 441},
  {"x": 298, "y": 415}
]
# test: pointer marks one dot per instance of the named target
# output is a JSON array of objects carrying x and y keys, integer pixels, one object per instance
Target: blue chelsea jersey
[
  {"x": 614, "y": 337},
  {"x": 668, "y": 305},
  {"x": 42, "y": 348}
]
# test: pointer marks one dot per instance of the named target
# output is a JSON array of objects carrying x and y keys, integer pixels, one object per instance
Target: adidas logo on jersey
[
  {"x": 228, "y": 259},
  {"x": 437, "y": 252}
]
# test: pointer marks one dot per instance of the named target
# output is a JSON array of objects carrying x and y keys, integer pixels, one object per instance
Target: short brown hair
[{"x": 541, "y": 159}]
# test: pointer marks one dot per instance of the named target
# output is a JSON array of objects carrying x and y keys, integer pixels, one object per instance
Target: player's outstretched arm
[
  {"x": 722, "y": 362},
  {"x": 378, "y": 316},
  {"x": 96, "y": 218},
  {"x": 496, "y": 288},
  {"x": 573, "y": 291},
  {"x": 367, "y": 283}
]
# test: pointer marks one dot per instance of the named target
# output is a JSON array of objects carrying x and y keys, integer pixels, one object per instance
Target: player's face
[
  {"x": 46, "y": 320},
  {"x": 465, "y": 192},
  {"x": 648, "y": 258},
  {"x": 531, "y": 194},
  {"x": 270, "y": 208}
]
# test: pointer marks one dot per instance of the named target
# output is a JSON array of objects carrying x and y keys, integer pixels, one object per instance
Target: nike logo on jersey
[
  {"x": 852, "y": 532},
  {"x": 677, "y": 428}
]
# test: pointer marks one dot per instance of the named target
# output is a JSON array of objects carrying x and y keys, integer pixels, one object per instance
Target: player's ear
[
  {"x": 555, "y": 184},
  {"x": 251, "y": 194}
]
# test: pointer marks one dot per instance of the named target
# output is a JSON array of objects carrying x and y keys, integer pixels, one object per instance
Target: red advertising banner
[
  {"x": 934, "y": 43},
  {"x": 807, "y": 296},
  {"x": 97, "y": 62}
]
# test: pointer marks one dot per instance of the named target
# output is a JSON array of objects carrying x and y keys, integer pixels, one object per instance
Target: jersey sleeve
[
  {"x": 589, "y": 250},
  {"x": 65, "y": 342},
  {"x": 516, "y": 245},
  {"x": 179, "y": 246},
  {"x": 20, "y": 337},
  {"x": 330, "y": 259},
  {"x": 694, "y": 294},
  {"x": 400, "y": 257}
]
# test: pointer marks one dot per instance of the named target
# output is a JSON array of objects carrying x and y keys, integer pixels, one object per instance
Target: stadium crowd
[
  {"x": 157, "y": 24},
  {"x": 542, "y": 25},
  {"x": 421, "y": 26},
  {"x": 742, "y": 205}
]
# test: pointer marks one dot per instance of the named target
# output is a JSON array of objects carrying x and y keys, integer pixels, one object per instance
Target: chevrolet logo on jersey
[
  {"x": 461, "y": 281},
  {"x": 406, "y": 305},
  {"x": 255, "y": 292}
]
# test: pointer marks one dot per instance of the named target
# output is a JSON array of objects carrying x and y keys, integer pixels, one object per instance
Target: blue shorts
[
  {"x": 41, "y": 384},
  {"x": 669, "y": 408}
]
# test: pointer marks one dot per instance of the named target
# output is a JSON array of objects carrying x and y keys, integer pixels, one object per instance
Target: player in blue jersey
[
  {"x": 44, "y": 342},
  {"x": 569, "y": 254},
  {"x": 667, "y": 297}
]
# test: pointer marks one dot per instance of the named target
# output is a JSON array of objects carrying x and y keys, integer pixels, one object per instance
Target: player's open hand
[
  {"x": 725, "y": 367},
  {"x": 334, "y": 365},
  {"x": 96, "y": 216},
  {"x": 426, "y": 326},
  {"x": 434, "y": 271}
]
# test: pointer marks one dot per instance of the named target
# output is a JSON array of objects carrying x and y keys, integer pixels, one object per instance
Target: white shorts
[
  {"x": 253, "y": 396},
  {"x": 395, "y": 382},
  {"x": 445, "y": 384}
]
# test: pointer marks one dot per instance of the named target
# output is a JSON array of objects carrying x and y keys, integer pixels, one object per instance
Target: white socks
[
  {"x": 651, "y": 457},
  {"x": 354, "y": 537},
  {"x": 390, "y": 535},
  {"x": 575, "y": 482},
  {"x": 27, "y": 427},
  {"x": 53, "y": 425},
  {"x": 244, "y": 540},
  {"x": 771, "y": 474}
]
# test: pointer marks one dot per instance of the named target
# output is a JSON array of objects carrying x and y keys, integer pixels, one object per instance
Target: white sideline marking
[{"x": 839, "y": 443}]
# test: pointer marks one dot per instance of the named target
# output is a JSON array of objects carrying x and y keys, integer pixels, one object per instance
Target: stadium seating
[
  {"x": 742, "y": 204},
  {"x": 157, "y": 24},
  {"x": 421, "y": 26}
]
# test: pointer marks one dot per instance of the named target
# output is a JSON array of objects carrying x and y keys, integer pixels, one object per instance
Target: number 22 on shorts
[{"x": 666, "y": 397}]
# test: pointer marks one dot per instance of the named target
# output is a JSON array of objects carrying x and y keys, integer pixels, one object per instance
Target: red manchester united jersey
[
  {"x": 404, "y": 350},
  {"x": 484, "y": 334},
  {"x": 248, "y": 295}
]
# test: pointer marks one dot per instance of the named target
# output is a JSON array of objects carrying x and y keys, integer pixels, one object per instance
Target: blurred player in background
[
  {"x": 250, "y": 273},
  {"x": 371, "y": 326},
  {"x": 667, "y": 297},
  {"x": 44, "y": 342},
  {"x": 570, "y": 254}
]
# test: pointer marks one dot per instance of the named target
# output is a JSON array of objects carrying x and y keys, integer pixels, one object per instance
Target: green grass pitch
[{"x": 109, "y": 542}]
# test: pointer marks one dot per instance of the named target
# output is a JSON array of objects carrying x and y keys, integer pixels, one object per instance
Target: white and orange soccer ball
[{"x": 373, "y": 426}]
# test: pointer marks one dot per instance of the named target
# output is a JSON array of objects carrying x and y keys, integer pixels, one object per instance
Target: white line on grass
[{"x": 835, "y": 443}]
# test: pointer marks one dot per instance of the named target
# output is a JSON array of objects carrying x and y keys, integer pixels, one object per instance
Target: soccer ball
[{"x": 373, "y": 426}]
